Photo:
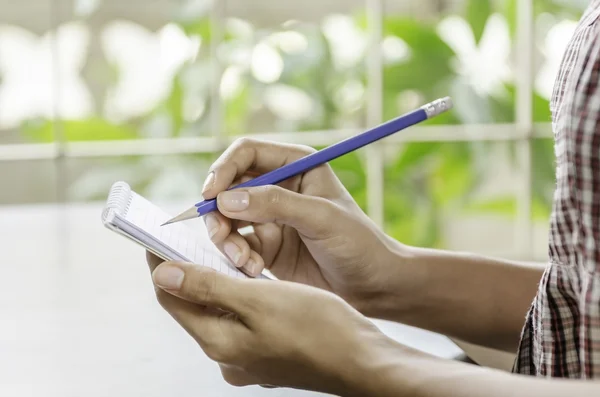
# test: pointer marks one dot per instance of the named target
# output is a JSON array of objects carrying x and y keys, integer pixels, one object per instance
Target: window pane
[
  {"x": 351, "y": 170},
  {"x": 130, "y": 70},
  {"x": 28, "y": 182},
  {"x": 543, "y": 185},
  {"x": 555, "y": 22},
  {"x": 461, "y": 49},
  {"x": 27, "y": 92},
  {"x": 282, "y": 73},
  {"x": 452, "y": 195},
  {"x": 162, "y": 178}
]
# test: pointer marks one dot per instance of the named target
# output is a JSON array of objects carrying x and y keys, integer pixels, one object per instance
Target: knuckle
[
  {"x": 273, "y": 194},
  {"x": 237, "y": 147},
  {"x": 305, "y": 149},
  {"x": 272, "y": 203},
  {"x": 243, "y": 142},
  {"x": 203, "y": 288},
  {"x": 209, "y": 286}
]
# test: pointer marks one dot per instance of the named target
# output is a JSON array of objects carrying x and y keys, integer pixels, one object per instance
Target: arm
[
  {"x": 311, "y": 231},
  {"x": 422, "y": 376},
  {"x": 469, "y": 297},
  {"x": 290, "y": 335},
  {"x": 399, "y": 371}
]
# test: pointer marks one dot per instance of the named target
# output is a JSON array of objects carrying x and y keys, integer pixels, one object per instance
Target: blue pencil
[{"x": 323, "y": 156}]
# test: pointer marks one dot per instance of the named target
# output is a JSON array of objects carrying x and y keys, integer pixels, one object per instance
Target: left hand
[{"x": 270, "y": 333}]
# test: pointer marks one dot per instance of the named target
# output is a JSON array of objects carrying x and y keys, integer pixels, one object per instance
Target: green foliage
[
  {"x": 237, "y": 109},
  {"x": 174, "y": 107},
  {"x": 499, "y": 205},
  {"x": 92, "y": 129},
  {"x": 510, "y": 14},
  {"x": 428, "y": 69},
  {"x": 560, "y": 8},
  {"x": 200, "y": 27},
  {"x": 351, "y": 171},
  {"x": 424, "y": 181},
  {"x": 543, "y": 175},
  {"x": 477, "y": 14},
  {"x": 433, "y": 178}
]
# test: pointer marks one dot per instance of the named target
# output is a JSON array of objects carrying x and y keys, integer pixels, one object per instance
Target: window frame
[{"x": 522, "y": 132}]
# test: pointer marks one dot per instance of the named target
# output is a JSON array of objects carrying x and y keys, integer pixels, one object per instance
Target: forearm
[
  {"x": 469, "y": 297},
  {"x": 400, "y": 371}
]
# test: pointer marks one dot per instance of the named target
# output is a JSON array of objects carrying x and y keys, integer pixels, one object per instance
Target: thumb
[
  {"x": 312, "y": 216},
  {"x": 205, "y": 286}
]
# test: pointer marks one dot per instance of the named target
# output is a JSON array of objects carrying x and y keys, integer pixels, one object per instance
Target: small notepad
[{"x": 136, "y": 218}]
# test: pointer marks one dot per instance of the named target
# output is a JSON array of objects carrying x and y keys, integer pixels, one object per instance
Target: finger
[
  {"x": 205, "y": 286},
  {"x": 249, "y": 155},
  {"x": 218, "y": 333},
  {"x": 153, "y": 260},
  {"x": 188, "y": 314},
  {"x": 255, "y": 265},
  {"x": 236, "y": 248},
  {"x": 243, "y": 225},
  {"x": 236, "y": 376},
  {"x": 290, "y": 183},
  {"x": 312, "y": 216},
  {"x": 254, "y": 242},
  {"x": 218, "y": 226},
  {"x": 262, "y": 251},
  {"x": 266, "y": 240},
  {"x": 244, "y": 178},
  {"x": 234, "y": 245}
]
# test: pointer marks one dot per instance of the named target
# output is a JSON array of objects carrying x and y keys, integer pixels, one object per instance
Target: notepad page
[{"x": 192, "y": 245}]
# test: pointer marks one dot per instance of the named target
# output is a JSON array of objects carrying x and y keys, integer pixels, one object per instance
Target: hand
[
  {"x": 271, "y": 333},
  {"x": 307, "y": 230}
]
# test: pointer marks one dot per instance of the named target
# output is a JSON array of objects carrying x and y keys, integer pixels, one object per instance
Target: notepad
[{"x": 136, "y": 218}]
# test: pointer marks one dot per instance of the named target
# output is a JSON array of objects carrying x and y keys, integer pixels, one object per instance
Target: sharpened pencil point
[{"x": 189, "y": 214}]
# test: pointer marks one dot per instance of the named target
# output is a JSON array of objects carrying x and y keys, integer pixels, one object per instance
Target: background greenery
[{"x": 423, "y": 180}]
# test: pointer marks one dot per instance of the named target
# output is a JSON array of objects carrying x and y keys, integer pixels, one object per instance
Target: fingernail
[
  {"x": 168, "y": 277},
  {"x": 251, "y": 267},
  {"x": 234, "y": 201},
  {"x": 212, "y": 224},
  {"x": 233, "y": 251},
  {"x": 210, "y": 180}
]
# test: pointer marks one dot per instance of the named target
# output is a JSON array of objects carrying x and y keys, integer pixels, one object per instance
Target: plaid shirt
[{"x": 561, "y": 337}]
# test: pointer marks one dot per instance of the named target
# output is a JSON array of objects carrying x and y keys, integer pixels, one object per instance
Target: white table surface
[{"x": 79, "y": 317}]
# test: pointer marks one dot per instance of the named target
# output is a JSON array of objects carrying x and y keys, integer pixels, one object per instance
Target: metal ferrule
[{"x": 438, "y": 106}]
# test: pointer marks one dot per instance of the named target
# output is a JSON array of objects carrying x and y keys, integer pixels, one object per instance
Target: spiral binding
[{"x": 119, "y": 199}]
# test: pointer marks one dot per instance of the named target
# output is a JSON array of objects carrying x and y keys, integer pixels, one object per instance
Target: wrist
[
  {"x": 398, "y": 283},
  {"x": 382, "y": 368}
]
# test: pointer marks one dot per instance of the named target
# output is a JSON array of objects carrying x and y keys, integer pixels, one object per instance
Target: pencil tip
[{"x": 189, "y": 214}]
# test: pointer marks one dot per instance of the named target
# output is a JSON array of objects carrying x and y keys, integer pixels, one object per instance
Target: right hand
[{"x": 307, "y": 229}]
